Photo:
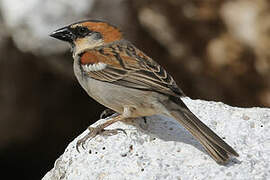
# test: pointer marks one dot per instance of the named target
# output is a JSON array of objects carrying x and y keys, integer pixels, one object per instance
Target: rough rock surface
[{"x": 159, "y": 148}]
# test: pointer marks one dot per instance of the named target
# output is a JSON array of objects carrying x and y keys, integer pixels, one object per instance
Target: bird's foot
[
  {"x": 100, "y": 129},
  {"x": 94, "y": 132}
]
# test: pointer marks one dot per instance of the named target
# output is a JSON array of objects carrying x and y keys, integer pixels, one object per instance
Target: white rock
[
  {"x": 162, "y": 149},
  {"x": 30, "y": 21}
]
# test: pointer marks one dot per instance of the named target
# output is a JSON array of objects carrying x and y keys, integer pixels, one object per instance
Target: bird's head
[{"x": 87, "y": 34}]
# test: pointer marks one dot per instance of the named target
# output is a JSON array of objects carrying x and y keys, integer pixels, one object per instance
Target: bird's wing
[{"x": 125, "y": 65}]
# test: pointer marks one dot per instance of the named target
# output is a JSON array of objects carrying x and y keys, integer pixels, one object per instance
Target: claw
[
  {"x": 106, "y": 113},
  {"x": 122, "y": 130},
  {"x": 144, "y": 118},
  {"x": 93, "y": 132},
  {"x": 83, "y": 143},
  {"x": 77, "y": 147}
]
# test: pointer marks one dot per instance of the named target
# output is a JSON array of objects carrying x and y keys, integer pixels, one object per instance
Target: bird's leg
[
  {"x": 100, "y": 129},
  {"x": 106, "y": 113}
]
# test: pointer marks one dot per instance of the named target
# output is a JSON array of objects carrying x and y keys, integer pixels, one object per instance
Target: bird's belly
[
  {"x": 144, "y": 103},
  {"x": 117, "y": 97}
]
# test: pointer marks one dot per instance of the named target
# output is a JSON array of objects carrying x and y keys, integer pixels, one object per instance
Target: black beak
[{"x": 63, "y": 34}]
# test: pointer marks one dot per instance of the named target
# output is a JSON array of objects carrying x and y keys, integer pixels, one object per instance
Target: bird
[{"x": 125, "y": 80}]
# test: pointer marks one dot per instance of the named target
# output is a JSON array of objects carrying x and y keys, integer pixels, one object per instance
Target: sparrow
[{"x": 124, "y": 79}]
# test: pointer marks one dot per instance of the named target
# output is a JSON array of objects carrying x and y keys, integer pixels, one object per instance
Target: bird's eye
[{"x": 82, "y": 31}]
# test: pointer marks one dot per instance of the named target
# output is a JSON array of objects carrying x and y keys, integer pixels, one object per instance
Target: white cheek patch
[{"x": 94, "y": 67}]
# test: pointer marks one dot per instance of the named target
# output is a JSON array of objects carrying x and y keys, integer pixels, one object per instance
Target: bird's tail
[{"x": 214, "y": 145}]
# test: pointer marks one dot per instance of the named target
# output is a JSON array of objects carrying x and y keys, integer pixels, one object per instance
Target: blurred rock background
[{"x": 215, "y": 49}]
